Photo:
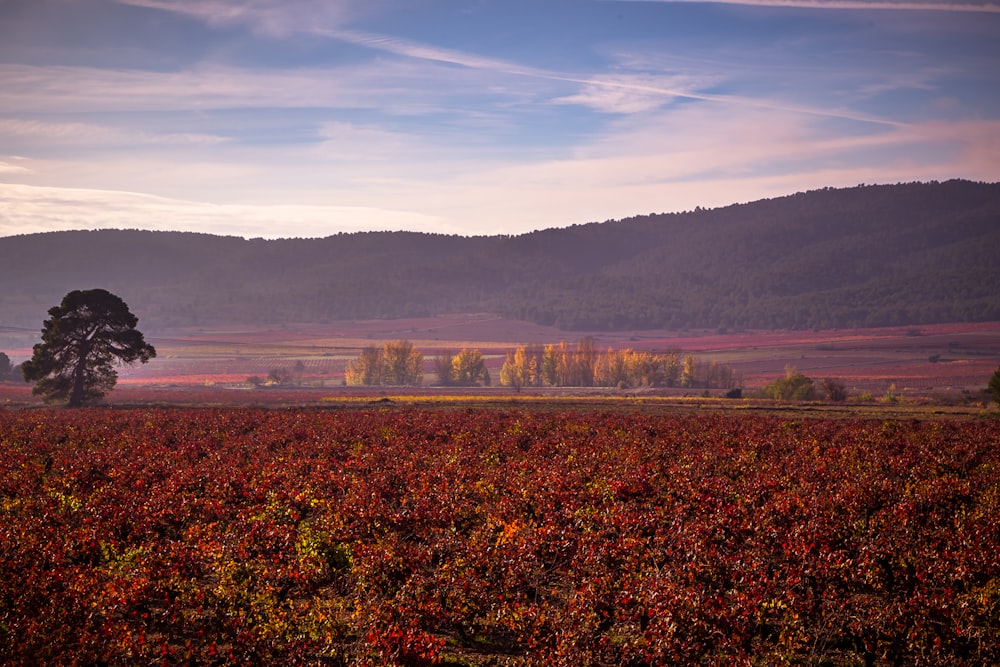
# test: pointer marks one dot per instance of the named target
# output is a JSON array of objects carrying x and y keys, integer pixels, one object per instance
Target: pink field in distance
[{"x": 923, "y": 360}]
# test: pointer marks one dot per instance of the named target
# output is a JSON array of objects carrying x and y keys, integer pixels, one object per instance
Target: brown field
[{"x": 941, "y": 363}]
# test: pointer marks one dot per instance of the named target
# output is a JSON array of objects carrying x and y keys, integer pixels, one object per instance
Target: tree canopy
[
  {"x": 86, "y": 336},
  {"x": 994, "y": 385},
  {"x": 395, "y": 363},
  {"x": 793, "y": 387}
]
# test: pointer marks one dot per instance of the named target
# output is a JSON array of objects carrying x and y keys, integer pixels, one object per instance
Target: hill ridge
[{"x": 871, "y": 255}]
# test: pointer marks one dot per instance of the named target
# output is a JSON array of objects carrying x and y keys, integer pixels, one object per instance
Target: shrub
[
  {"x": 834, "y": 390},
  {"x": 793, "y": 387}
]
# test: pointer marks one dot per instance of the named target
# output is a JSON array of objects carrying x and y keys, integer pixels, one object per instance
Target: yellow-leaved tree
[
  {"x": 468, "y": 369},
  {"x": 396, "y": 363}
]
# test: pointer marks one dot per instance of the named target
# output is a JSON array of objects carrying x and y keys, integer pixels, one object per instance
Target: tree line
[
  {"x": 91, "y": 331},
  {"x": 465, "y": 369},
  {"x": 395, "y": 363},
  {"x": 858, "y": 257},
  {"x": 580, "y": 365},
  {"x": 400, "y": 363},
  {"x": 556, "y": 365}
]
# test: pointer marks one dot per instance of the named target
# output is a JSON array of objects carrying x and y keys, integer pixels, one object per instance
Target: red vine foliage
[{"x": 418, "y": 538}]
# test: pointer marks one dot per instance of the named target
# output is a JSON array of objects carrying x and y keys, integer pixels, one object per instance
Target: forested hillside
[{"x": 869, "y": 255}]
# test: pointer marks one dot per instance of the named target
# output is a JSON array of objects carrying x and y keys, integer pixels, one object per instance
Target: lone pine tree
[{"x": 86, "y": 335}]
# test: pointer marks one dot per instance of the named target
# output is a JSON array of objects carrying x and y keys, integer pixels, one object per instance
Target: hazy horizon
[{"x": 284, "y": 119}]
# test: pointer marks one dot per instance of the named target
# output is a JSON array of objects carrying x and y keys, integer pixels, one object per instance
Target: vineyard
[{"x": 495, "y": 537}]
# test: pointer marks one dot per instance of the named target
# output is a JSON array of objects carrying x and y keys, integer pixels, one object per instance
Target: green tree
[
  {"x": 86, "y": 335},
  {"x": 793, "y": 387},
  {"x": 5, "y": 367},
  {"x": 995, "y": 385}
]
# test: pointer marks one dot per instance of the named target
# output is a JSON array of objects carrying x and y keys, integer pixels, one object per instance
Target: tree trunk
[{"x": 76, "y": 396}]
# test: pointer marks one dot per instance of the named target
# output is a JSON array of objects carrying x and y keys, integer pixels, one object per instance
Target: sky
[{"x": 306, "y": 118}]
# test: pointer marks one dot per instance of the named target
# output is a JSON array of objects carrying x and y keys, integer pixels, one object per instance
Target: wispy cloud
[
  {"x": 636, "y": 90},
  {"x": 40, "y": 132},
  {"x": 278, "y": 18},
  {"x": 619, "y": 93},
  {"x": 706, "y": 157},
  {"x": 634, "y": 93},
  {"x": 676, "y": 160},
  {"x": 308, "y": 117},
  {"x": 9, "y": 168},
  {"x": 30, "y": 88},
  {"x": 54, "y": 209},
  {"x": 403, "y": 87},
  {"x": 361, "y": 86},
  {"x": 367, "y": 143},
  {"x": 888, "y": 5},
  {"x": 414, "y": 49},
  {"x": 918, "y": 80}
]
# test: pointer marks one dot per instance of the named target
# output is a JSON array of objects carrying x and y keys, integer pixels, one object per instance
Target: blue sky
[{"x": 305, "y": 118}]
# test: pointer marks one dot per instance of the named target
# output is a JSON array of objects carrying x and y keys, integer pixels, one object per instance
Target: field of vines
[{"x": 479, "y": 537}]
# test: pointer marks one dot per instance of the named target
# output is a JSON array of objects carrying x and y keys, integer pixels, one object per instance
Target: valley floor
[{"x": 943, "y": 364}]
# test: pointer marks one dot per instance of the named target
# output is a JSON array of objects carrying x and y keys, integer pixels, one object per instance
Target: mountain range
[{"x": 871, "y": 255}]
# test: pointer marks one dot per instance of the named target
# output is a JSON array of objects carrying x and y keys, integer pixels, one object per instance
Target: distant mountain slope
[{"x": 869, "y": 255}]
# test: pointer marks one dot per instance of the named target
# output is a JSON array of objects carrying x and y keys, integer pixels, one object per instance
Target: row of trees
[
  {"x": 399, "y": 363},
  {"x": 465, "y": 369},
  {"x": 92, "y": 331},
  {"x": 395, "y": 363},
  {"x": 580, "y": 365},
  {"x": 556, "y": 365}
]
